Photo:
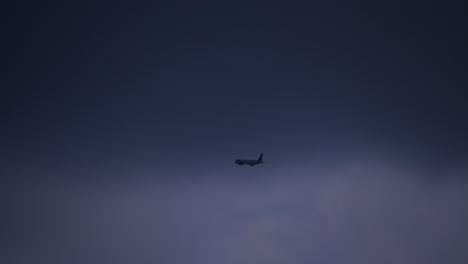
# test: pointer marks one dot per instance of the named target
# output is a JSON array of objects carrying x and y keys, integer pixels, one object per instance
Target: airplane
[{"x": 250, "y": 162}]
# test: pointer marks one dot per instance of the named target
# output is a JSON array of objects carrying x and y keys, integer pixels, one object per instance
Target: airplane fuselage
[
  {"x": 248, "y": 162},
  {"x": 251, "y": 162}
]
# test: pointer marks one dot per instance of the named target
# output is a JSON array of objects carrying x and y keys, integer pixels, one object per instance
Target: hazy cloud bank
[{"x": 363, "y": 212}]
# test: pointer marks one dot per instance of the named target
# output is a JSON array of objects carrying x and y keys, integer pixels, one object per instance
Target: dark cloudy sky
[{"x": 121, "y": 121}]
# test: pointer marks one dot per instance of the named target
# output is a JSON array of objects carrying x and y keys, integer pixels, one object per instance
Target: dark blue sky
[
  {"x": 152, "y": 92},
  {"x": 169, "y": 79}
]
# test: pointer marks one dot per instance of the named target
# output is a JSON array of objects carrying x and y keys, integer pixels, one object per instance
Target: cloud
[{"x": 362, "y": 212}]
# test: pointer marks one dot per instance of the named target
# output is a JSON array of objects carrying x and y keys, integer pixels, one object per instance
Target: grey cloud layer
[{"x": 364, "y": 212}]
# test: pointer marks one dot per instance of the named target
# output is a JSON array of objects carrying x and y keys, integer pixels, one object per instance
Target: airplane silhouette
[{"x": 250, "y": 161}]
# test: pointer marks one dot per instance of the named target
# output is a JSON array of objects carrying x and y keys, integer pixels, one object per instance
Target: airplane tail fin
[{"x": 261, "y": 157}]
